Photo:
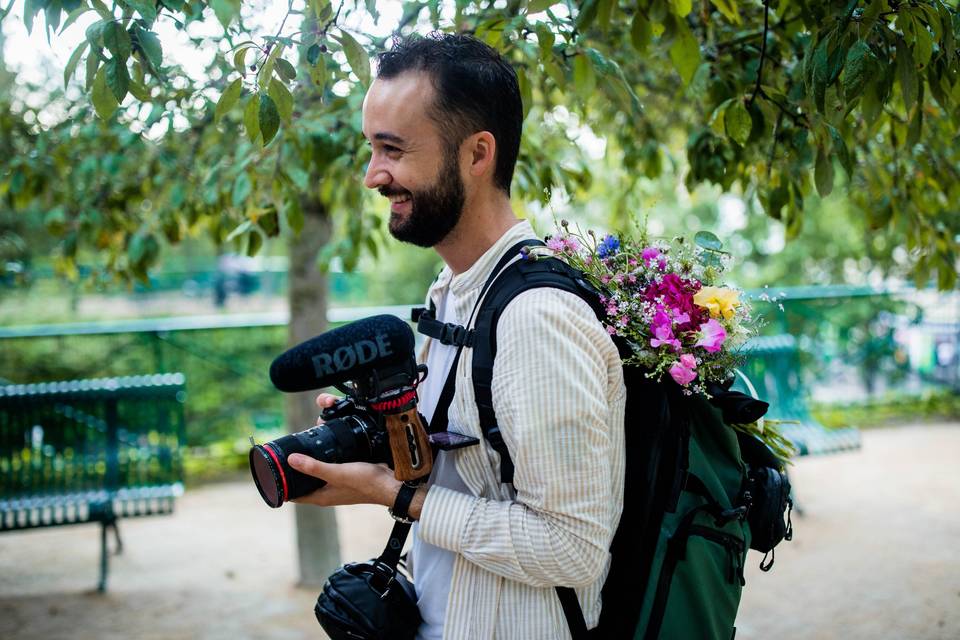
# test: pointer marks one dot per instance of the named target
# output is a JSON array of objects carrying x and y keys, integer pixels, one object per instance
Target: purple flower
[
  {"x": 608, "y": 246},
  {"x": 684, "y": 370},
  {"x": 712, "y": 335},
  {"x": 649, "y": 254}
]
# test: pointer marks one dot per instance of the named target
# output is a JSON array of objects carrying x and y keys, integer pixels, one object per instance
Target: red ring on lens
[{"x": 283, "y": 477}]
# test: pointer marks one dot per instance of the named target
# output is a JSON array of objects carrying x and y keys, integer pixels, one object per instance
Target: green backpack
[{"x": 692, "y": 504}]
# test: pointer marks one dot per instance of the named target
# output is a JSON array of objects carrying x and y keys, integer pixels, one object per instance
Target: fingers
[
  {"x": 312, "y": 467},
  {"x": 325, "y": 400}
]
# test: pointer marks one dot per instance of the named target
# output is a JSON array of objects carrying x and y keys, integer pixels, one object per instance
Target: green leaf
[
  {"x": 94, "y": 33},
  {"x": 856, "y": 69},
  {"x": 225, "y": 10},
  {"x": 30, "y": 9},
  {"x": 92, "y": 64},
  {"x": 737, "y": 122},
  {"x": 240, "y": 59},
  {"x": 640, "y": 33},
  {"x": 907, "y": 75},
  {"x": 143, "y": 249},
  {"x": 294, "y": 215},
  {"x": 588, "y": 13},
  {"x": 681, "y": 8},
  {"x": 823, "y": 173},
  {"x": 118, "y": 79},
  {"x": 283, "y": 99},
  {"x": 72, "y": 63},
  {"x": 357, "y": 57},
  {"x": 251, "y": 117},
  {"x": 526, "y": 94},
  {"x": 246, "y": 225},
  {"x": 269, "y": 222},
  {"x": 685, "y": 52},
  {"x": 923, "y": 47},
  {"x": 729, "y": 10},
  {"x": 266, "y": 71},
  {"x": 545, "y": 38},
  {"x": 146, "y": 8},
  {"x": 285, "y": 69},
  {"x": 117, "y": 41},
  {"x": 254, "y": 243},
  {"x": 914, "y": 128},
  {"x": 820, "y": 73},
  {"x": 104, "y": 101},
  {"x": 140, "y": 92},
  {"x": 841, "y": 150},
  {"x": 228, "y": 98},
  {"x": 584, "y": 78},
  {"x": 536, "y": 6},
  {"x": 269, "y": 118},
  {"x": 149, "y": 44},
  {"x": 313, "y": 54},
  {"x": 76, "y": 13},
  {"x": 708, "y": 240}
]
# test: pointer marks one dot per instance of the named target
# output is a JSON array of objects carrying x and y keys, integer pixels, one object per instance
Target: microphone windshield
[{"x": 345, "y": 353}]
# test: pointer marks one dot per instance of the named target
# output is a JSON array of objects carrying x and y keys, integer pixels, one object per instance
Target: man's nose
[{"x": 376, "y": 176}]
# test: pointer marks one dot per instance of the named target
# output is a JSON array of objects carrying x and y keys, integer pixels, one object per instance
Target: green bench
[
  {"x": 773, "y": 367},
  {"x": 88, "y": 451}
]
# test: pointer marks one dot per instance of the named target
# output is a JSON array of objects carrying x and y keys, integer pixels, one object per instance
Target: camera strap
[{"x": 454, "y": 334}]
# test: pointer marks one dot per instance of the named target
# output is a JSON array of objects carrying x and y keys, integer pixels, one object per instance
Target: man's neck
[{"x": 482, "y": 224}]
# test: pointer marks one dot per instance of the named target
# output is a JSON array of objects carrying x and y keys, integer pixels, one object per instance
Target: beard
[{"x": 434, "y": 211}]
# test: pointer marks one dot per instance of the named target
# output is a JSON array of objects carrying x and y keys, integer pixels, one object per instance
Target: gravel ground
[{"x": 874, "y": 558}]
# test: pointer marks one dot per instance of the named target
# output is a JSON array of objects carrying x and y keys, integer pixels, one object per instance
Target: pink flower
[
  {"x": 649, "y": 255},
  {"x": 681, "y": 372},
  {"x": 611, "y": 330},
  {"x": 555, "y": 243},
  {"x": 712, "y": 335},
  {"x": 663, "y": 332}
]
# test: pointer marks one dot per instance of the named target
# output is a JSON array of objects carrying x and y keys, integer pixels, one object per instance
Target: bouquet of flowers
[{"x": 668, "y": 301}]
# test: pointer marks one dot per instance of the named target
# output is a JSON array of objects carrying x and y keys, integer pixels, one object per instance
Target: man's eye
[{"x": 389, "y": 148}]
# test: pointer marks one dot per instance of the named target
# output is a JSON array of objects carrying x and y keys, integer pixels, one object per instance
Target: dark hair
[{"x": 477, "y": 90}]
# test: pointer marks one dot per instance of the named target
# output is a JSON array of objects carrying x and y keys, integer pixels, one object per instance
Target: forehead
[{"x": 398, "y": 106}]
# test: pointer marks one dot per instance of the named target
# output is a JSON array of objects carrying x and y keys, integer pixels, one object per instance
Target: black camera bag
[{"x": 371, "y": 600}]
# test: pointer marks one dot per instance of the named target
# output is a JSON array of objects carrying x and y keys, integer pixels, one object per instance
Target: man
[{"x": 443, "y": 119}]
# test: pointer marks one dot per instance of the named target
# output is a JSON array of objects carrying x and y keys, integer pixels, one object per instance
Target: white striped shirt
[{"x": 559, "y": 398}]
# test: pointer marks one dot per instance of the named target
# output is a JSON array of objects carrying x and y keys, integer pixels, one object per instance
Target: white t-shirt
[{"x": 433, "y": 566}]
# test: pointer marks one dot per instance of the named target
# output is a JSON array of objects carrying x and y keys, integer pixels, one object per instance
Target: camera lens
[{"x": 348, "y": 439}]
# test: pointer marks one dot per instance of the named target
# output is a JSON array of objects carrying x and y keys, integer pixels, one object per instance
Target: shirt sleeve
[{"x": 556, "y": 378}]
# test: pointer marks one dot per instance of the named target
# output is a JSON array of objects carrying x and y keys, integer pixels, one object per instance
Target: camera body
[{"x": 376, "y": 422}]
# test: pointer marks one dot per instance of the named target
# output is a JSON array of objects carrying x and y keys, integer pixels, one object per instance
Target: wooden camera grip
[{"x": 412, "y": 456}]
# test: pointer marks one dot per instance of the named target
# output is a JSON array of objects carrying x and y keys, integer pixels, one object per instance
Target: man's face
[{"x": 411, "y": 164}]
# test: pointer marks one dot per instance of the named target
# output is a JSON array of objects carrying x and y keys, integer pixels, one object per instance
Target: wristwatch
[{"x": 400, "y": 506}]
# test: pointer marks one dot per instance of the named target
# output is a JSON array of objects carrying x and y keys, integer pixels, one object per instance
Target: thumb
[{"x": 309, "y": 466}]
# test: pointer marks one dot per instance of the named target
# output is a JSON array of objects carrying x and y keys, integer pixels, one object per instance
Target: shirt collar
[{"x": 475, "y": 277}]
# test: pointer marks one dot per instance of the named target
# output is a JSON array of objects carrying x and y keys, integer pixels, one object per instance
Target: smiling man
[{"x": 443, "y": 119}]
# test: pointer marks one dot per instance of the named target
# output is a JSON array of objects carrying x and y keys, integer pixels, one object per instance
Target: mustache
[{"x": 386, "y": 191}]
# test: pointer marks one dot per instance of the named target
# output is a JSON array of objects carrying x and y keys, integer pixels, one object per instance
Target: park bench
[
  {"x": 89, "y": 451},
  {"x": 773, "y": 368}
]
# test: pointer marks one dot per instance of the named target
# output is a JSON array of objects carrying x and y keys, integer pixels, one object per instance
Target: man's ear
[{"x": 480, "y": 150}]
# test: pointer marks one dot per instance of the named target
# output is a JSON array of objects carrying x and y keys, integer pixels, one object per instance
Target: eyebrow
[{"x": 388, "y": 137}]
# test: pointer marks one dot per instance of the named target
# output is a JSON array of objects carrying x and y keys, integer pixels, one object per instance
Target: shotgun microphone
[{"x": 350, "y": 352}]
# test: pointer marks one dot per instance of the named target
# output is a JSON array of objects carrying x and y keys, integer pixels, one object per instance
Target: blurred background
[{"x": 165, "y": 233}]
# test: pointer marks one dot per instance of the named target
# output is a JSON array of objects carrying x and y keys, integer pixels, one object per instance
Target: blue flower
[{"x": 608, "y": 246}]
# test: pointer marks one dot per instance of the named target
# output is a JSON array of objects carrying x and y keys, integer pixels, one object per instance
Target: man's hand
[
  {"x": 351, "y": 482},
  {"x": 347, "y": 483}
]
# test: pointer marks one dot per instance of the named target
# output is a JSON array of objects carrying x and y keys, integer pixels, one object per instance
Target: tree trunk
[{"x": 317, "y": 543}]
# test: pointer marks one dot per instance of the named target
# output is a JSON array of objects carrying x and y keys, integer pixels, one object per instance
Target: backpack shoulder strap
[{"x": 515, "y": 279}]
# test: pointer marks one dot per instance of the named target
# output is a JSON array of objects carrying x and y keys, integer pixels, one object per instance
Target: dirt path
[{"x": 875, "y": 558}]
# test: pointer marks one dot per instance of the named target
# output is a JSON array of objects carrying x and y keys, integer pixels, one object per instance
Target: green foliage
[
  {"x": 769, "y": 99},
  {"x": 934, "y": 406}
]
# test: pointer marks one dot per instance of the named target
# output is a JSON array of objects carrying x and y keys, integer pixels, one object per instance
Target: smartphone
[{"x": 449, "y": 440}]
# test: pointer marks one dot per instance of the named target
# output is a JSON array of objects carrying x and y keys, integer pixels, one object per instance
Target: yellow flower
[{"x": 719, "y": 301}]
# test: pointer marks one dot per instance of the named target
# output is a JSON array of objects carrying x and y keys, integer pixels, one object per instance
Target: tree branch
[{"x": 763, "y": 51}]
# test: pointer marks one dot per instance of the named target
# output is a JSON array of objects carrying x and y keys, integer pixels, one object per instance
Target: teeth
[{"x": 399, "y": 199}]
